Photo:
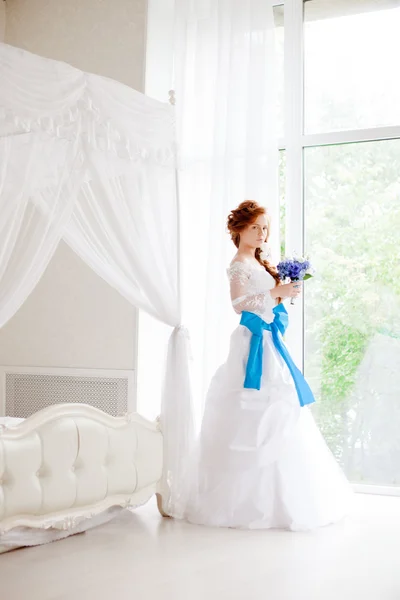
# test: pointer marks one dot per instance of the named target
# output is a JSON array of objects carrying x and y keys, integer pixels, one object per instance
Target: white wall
[
  {"x": 158, "y": 82},
  {"x": 159, "y": 48},
  {"x": 73, "y": 318},
  {"x": 106, "y": 37},
  {"x": 2, "y": 21}
]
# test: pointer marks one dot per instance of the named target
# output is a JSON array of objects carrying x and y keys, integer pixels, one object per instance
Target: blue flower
[{"x": 293, "y": 269}]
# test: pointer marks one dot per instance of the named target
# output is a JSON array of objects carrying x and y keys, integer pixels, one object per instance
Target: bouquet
[{"x": 294, "y": 269}]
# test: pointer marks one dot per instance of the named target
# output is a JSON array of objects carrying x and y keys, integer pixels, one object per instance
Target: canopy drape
[{"x": 91, "y": 161}]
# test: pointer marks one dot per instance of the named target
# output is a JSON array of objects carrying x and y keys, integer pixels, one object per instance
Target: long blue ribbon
[{"x": 257, "y": 326}]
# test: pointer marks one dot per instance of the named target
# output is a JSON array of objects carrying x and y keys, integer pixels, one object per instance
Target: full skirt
[{"x": 260, "y": 460}]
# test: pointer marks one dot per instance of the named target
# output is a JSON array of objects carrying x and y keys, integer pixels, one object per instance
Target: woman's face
[{"x": 255, "y": 234}]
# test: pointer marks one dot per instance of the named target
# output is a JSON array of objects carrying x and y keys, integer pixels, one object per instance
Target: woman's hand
[{"x": 287, "y": 290}]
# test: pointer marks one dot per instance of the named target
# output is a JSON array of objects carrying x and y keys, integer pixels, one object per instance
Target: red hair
[{"x": 239, "y": 219}]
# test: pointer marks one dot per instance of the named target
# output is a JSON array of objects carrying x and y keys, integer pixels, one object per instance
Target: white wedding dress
[{"x": 261, "y": 461}]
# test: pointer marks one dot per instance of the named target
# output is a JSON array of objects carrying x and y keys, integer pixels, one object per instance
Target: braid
[{"x": 268, "y": 267}]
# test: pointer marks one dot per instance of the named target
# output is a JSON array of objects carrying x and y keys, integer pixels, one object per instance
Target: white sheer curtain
[
  {"x": 31, "y": 164},
  {"x": 89, "y": 160},
  {"x": 135, "y": 249},
  {"x": 226, "y": 103}
]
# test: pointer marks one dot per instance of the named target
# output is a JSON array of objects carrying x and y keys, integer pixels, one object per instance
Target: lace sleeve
[{"x": 242, "y": 298}]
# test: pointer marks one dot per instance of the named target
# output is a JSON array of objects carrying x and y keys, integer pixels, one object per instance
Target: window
[
  {"x": 351, "y": 54},
  {"x": 352, "y": 317},
  {"x": 340, "y": 159}
]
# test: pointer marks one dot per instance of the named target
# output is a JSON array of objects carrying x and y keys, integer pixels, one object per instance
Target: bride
[{"x": 261, "y": 461}]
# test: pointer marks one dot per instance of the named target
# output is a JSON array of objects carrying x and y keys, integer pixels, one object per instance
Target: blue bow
[{"x": 257, "y": 325}]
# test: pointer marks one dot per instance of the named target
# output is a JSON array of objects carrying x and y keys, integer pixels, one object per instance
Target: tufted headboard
[{"x": 69, "y": 462}]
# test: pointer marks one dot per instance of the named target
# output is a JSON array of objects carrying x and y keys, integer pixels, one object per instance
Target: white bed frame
[{"x": 71, "y": 462}]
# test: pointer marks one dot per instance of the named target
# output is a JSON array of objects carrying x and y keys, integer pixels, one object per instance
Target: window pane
[
  {"x": 351, "y": 64},
  {"x": 279, "y": 54},
  {"x": 352, "y": 342}
]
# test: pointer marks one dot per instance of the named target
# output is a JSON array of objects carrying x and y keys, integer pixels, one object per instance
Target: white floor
[{"x": 141, "y": 556}]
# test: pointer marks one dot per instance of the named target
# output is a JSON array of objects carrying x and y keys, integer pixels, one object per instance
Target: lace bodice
[{"x": 250, "y": 289}]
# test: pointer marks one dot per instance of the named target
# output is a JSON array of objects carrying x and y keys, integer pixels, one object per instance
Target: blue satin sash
[{"x": 257, "y": 325}]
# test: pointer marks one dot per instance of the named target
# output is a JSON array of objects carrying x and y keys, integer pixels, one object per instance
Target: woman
[{"x": 261, "y": 460}]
